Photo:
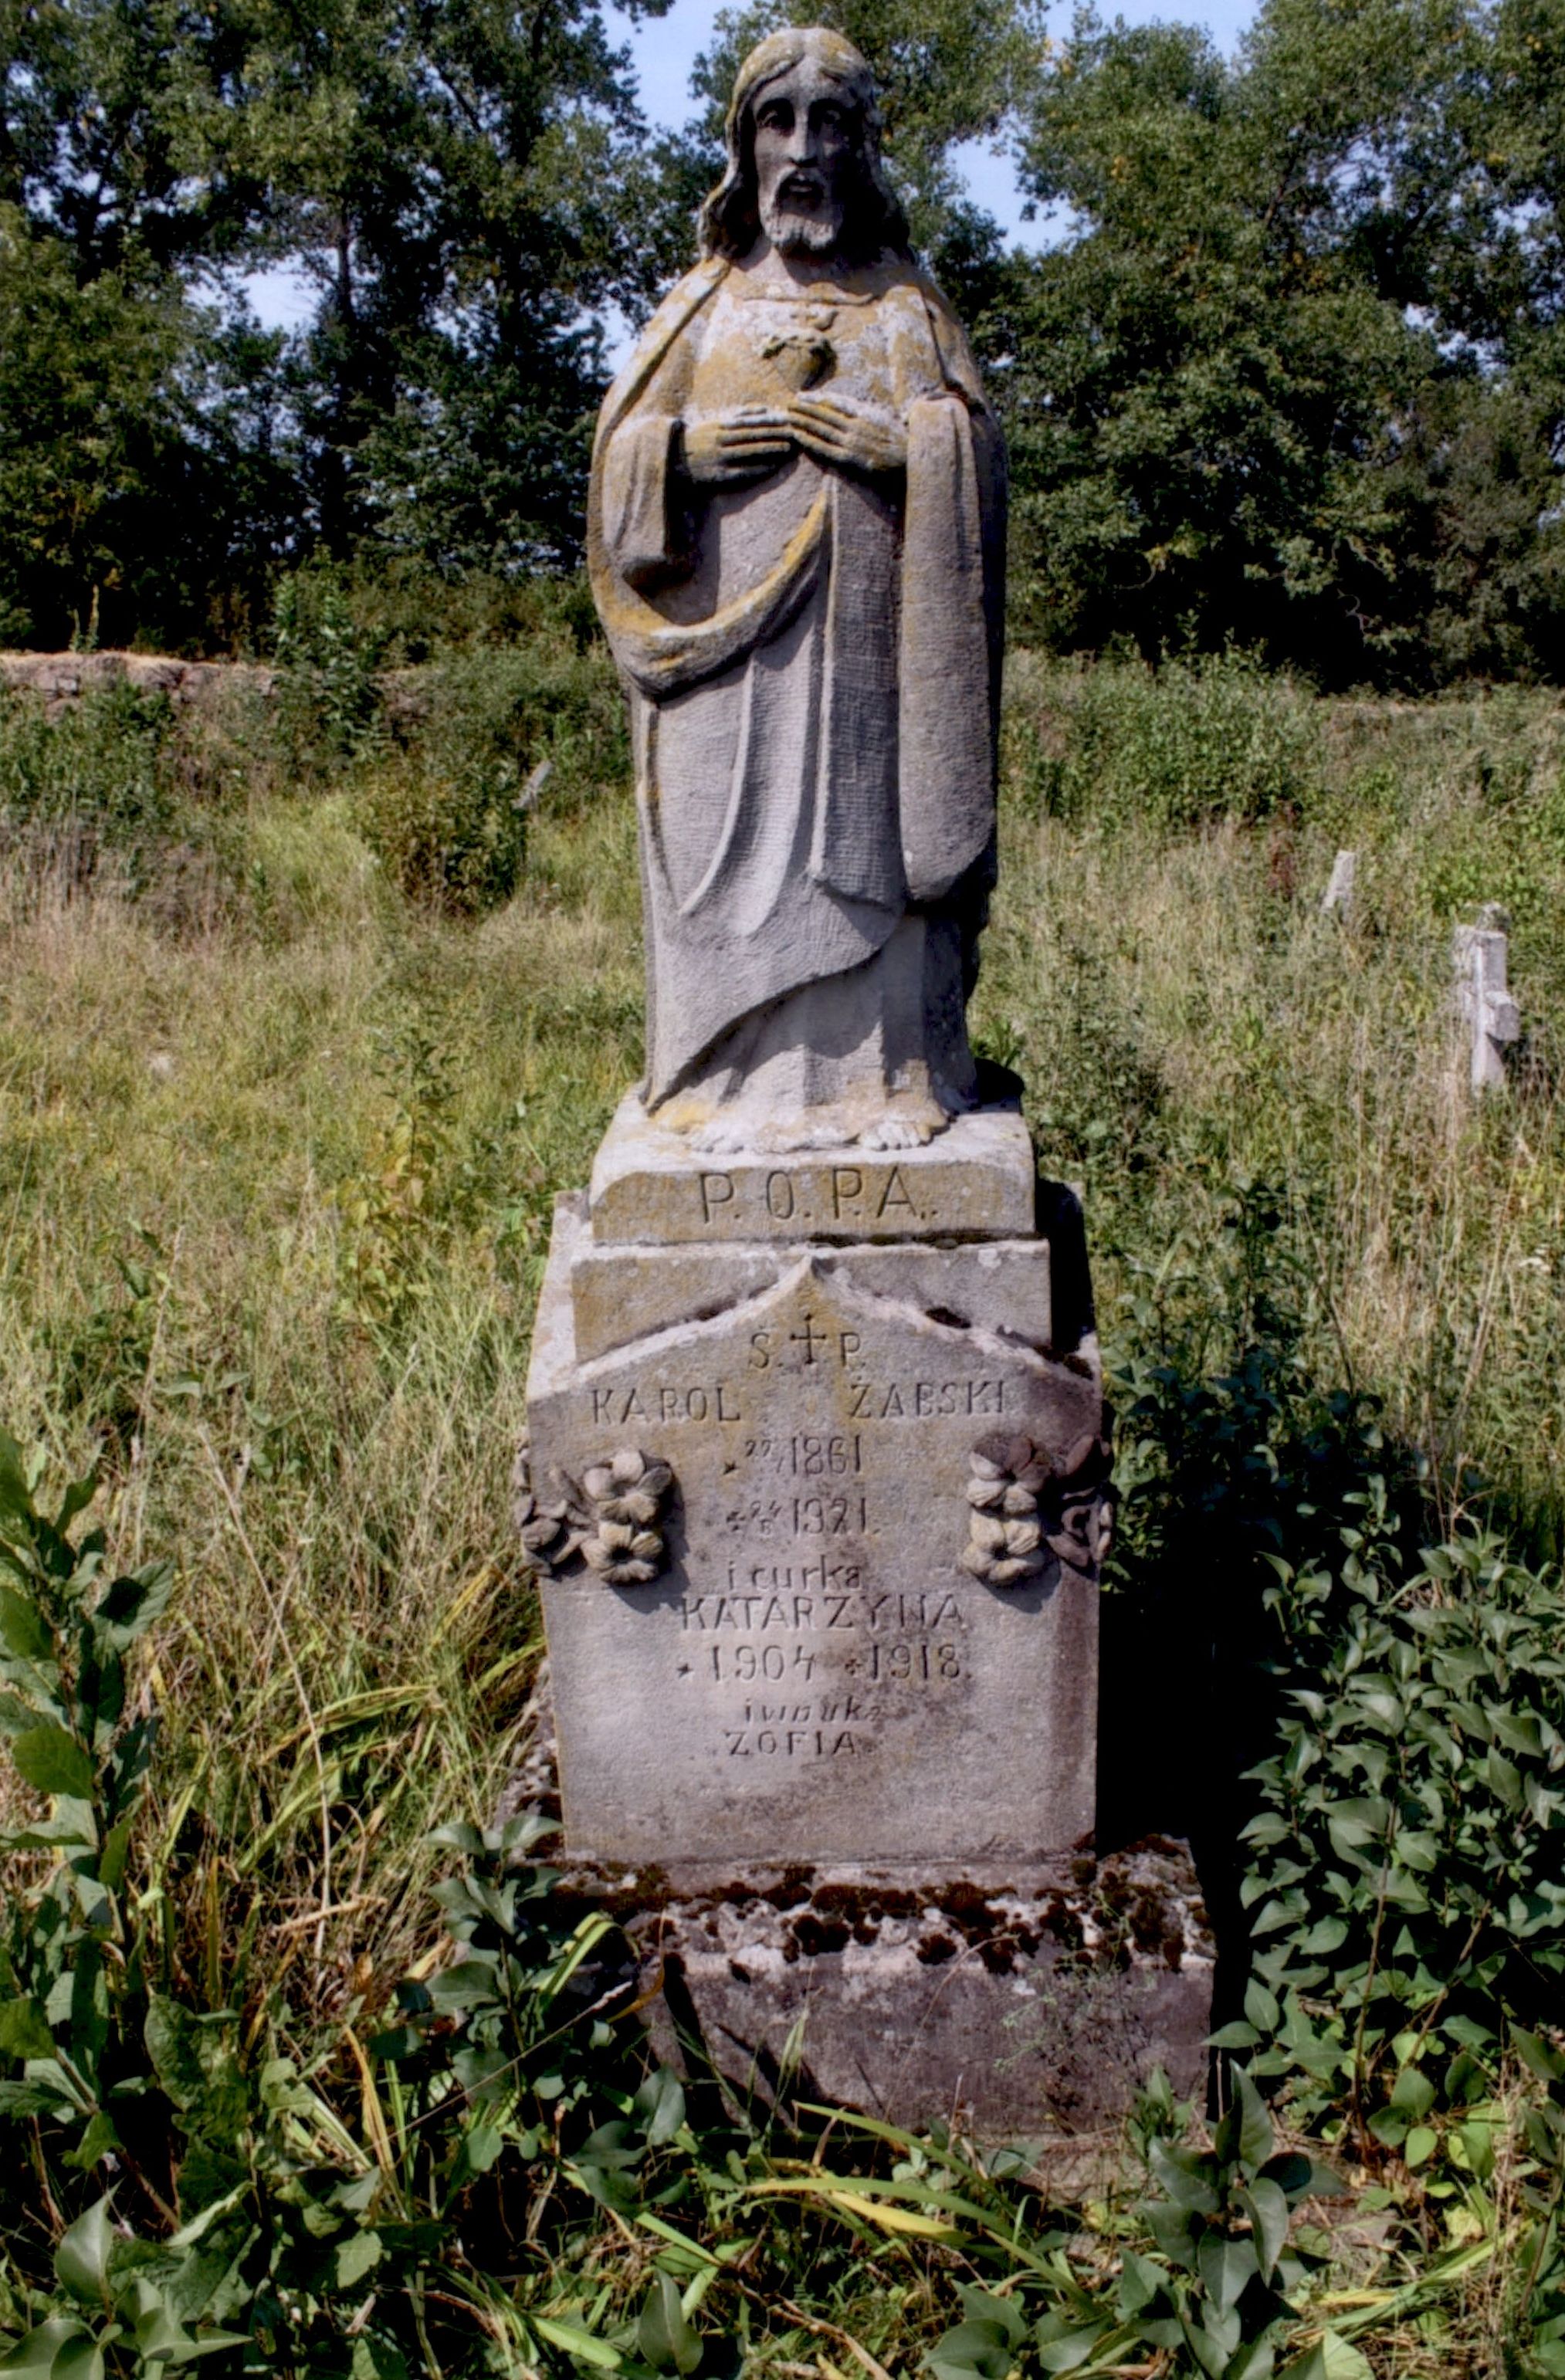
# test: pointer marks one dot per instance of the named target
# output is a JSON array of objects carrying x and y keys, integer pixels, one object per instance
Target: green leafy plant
[
  {"x": 328, "y": 695},
  {"x": 1408, "y": 1877},
  {"x": 1178, "y": 746},
  {"x": 70, "y": 1963},
  {"x": 211, "y": 2196},
  {"x": 453, "y": 841},
  {"x": 1202, "y": 2278},
  {"x": 90, "y": 786}
]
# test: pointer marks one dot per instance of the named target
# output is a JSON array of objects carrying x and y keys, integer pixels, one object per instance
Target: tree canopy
[
  {"x": 1293, "y": 377},
  {"x": 1291, "y": 374}
]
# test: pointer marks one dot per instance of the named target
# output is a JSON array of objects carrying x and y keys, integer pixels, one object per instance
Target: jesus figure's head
[{"x": 804, "y": 156}]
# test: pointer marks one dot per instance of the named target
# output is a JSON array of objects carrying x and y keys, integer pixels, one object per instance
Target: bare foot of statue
[
  {"x": 899, "y": 1119},
  {"x": 910, "y": 1121}
]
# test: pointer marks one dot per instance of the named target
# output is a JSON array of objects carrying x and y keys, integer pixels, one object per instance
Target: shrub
[
  {"x": 1408, "y": 1876},
  {"x": 90, "y": 782},
  {"x": 327, "y": 695},
  {"x": 480, "y": 734},
  {"x": 455, "y": 842},
  {"x": 1178, "y": 746}
]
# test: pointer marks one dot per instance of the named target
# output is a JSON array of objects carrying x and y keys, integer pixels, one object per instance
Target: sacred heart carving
[{"x": 802, "y": 359}]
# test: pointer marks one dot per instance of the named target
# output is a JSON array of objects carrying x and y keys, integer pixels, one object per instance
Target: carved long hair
[{"x": 730, "y": 220}]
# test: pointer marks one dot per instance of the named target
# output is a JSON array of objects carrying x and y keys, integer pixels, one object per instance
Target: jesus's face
[{"x": 806, "y": 151}]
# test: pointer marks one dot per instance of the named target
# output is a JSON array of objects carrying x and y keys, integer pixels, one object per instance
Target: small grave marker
[
  {"x": 1487, "y": 1010},
  {"x": 1338, "y": 898}
]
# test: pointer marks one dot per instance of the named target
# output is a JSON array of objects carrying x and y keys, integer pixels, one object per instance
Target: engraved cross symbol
[{"x": 809, "y": 1338}]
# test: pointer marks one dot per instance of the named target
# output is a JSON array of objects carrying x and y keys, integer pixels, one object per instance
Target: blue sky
[{"x": 664, "y": 50}]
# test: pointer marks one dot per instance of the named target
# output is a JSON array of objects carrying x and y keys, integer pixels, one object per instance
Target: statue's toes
[{"x": 896, "y": 1132}]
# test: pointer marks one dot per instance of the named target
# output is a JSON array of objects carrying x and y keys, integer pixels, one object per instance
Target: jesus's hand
[
  {"x": 834, "y": 434},
  {"x": 729, "y": 448}
]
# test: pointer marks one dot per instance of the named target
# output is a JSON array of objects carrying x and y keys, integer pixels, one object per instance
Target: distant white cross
[{"x": 1478, "y": 958}]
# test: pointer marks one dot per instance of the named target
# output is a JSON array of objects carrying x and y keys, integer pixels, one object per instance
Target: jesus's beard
[{"x": 796, "y": 231}]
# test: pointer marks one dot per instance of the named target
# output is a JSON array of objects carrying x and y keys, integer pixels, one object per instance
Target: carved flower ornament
[
  {"x": 612, "y": 1520},
  {"x": 1025, "y": 1509}
]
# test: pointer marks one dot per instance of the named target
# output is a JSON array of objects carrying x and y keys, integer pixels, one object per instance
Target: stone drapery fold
[{"x": 871, "y": 786}]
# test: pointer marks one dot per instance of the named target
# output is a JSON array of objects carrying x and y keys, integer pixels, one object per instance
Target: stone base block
[
  {"x": 974, "y": 1180},
  {"x": 820, "y": 1570},
  {"x": 1021, "y": 2006}
]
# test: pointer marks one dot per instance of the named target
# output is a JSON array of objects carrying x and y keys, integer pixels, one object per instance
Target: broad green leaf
[
  {"x": 663, "y": 2334},
  {"x": 658, "y": 2106},
  {"x": 1254, "y": 2130},
  {"x": 24, "y": 2029},
  {"x": 1547, "y": 2062},
  {"x": 1478, "y": 2142},
  {"x": 1292, "y": 2173},
  {"x": 1227, "y": 2267},
  {"x": 131, "y": 1606},
  {"x": 16, "y": 1496},
  {"x": 100, "y": 2140},
  {"x": 573, "y": 2340},
  {"x": 983, "y": 2305},
  {"x": 1332, "y": 2359},
  {"x": 35, "y": 2354},
  {"x": 1268, "y": 2210},
  {"x": 978, "y": 2347},
  {"x": 1260, "y": 2006},
  {"x": 80, "y": 2358},
  {"x": 170, "y": 2037},
  {"x": 1213, "y": 2340},
  {"x": 358, "y": 2255},
  {"x": 1420, "y": 2145},
  {"x": 53, "y": 1762},
  {"x": 1187, "y": 2183},
  {"x": 1414, "y": 2090},
  {"x": 23, "y": 1629},
  {"x": 482, "y": 2146},
  {"x": 81, "y": 2260},
  {"x": 376, "y": 2359},
  {"x": 1079, "y": 2346}
]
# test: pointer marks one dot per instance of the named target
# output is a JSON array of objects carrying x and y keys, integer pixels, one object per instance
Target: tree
[
  {"x": 452, "y": 175},
  {"x": 1233, "y": 398}
]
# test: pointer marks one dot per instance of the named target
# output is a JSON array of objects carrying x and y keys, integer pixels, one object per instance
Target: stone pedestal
[
  {"x": 816, "y": 1488},
  {"x": 819, "y": 1507}
]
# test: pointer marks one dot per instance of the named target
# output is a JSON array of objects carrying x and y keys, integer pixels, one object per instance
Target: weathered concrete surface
[
  {"x": 817, "y": 1670},
  {"x": 976, "y": 1180},
  {"x": 1022, "y": 2005},
  {"x": 621, "y": 1295}
]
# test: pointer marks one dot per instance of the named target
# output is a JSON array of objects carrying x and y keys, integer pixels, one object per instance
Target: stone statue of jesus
[{"x": 796, "y": 544}]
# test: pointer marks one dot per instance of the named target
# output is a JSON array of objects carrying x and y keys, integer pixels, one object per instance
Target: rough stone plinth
[
  {"x": 974, "y": 1180},
  {"x": 1017, "y": 2003},
  {"x": 847, "y": 1627}
]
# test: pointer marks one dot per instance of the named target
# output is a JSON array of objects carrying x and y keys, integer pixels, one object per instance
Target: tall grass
[
  {"x": 322, "y": 1127},
  {"x": 277, "y": 1164}
]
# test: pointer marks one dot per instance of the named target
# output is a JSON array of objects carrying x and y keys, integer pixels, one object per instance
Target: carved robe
[{"x": 812, "y": 663}]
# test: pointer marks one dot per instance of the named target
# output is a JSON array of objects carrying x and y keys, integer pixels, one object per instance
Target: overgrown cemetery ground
[{"x": 299, "y": 1043}]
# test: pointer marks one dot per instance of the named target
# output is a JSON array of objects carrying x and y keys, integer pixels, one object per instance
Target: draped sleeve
[
  {"x": 643, "y": 527},
  {"x": 952, "y": 618}
]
